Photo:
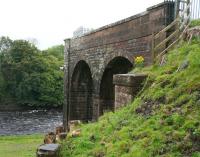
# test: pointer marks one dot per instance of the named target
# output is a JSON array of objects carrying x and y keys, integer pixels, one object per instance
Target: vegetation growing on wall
[
  {"x": 164, "y": 120},
  {"x": 29, "y": 76}
]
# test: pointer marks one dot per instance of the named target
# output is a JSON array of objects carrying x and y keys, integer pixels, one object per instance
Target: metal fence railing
[
  {"x": 181, "y": 4},
  {"x": 195, "y": 9}
]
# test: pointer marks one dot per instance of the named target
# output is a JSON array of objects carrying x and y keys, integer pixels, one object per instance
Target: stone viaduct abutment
[{"x": 92, "y": 59}]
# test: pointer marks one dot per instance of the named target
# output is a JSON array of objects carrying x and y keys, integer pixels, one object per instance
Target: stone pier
[{"x": 126, "y": 88}]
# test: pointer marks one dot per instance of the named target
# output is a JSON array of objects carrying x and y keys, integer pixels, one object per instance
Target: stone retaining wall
[{"x": 126, "y": 88}]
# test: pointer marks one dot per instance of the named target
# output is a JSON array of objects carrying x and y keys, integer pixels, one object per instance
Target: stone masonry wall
[
  {"x": 127, "y": 38},
  {"x": 126, "y": 88}
]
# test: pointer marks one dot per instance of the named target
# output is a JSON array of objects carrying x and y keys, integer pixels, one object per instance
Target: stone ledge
[
  {"x": 158, "y": 5},
  {"x": 129, "y": 80},
  {"x": 126, "y": 88},
  {"x": 48, "y": 150}
]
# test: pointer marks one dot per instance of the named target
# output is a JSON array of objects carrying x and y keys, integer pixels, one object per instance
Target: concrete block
[{"x": 48, "y": 150}]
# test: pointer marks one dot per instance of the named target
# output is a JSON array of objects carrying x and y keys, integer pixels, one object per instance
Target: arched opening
[
  {"x": 118, "y": 65},
  {"x": 81, "y": 93}
]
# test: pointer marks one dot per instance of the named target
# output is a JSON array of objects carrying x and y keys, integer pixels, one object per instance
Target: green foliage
[
  {"x": 171, "y": 129},
  {"x": 5, "y": 44},
  {"x": 29, "y": 76},
  {"x": 195, "y": 23},
  {"x": 56, "y": 51},
  {"x": 2, "y": 87}
]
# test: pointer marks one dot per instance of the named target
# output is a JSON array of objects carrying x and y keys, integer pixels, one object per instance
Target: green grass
[
  {"x": 170, "y": 129},
  {"x": 195, "y": 23},
  {"x": 19, "y": 146}
]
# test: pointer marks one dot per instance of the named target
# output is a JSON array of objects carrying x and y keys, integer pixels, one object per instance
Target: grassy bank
[
  {"x": 19, "y": 146},
  {"x": 163, "y": 121}
]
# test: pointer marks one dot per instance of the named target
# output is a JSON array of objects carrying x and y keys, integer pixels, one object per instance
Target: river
[{"x": 29, "y": 122}]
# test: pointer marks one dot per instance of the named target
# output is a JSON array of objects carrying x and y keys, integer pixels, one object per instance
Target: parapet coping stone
[
  {"x": 131, "y": 80},
  {"x": 120, "y": 21}
]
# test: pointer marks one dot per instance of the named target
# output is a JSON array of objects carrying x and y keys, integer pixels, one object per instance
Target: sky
[{"x": 49, "y": 22}]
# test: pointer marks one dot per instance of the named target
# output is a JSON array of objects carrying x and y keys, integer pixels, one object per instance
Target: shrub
[{"x": 139, "y": 61}]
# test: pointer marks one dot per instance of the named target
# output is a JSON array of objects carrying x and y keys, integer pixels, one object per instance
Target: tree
[
  {"x": 56, "y": 51},
  {"x": 30, "y": 76},
  {"x": 5, "y": 44}
]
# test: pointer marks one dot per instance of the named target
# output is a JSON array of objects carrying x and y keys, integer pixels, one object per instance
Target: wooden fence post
[
  {"x": 177, "y": 7},
  {"x": 188, "y": 11}
]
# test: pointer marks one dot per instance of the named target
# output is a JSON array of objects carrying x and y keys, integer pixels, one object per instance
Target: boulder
[
  {"x": 61, "y": 136},
  {"x": 59, "y": 130},
  {"x": 48, "y": 150},
  {"x": 50, "y": 138},
  {"x": 76, "y": 133},
  {"x": 73, "y": 124}
]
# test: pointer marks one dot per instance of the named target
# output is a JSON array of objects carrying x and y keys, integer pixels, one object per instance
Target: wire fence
[
  {"x": 195, "y": 9},
  {"x": 181, "y": 4}
]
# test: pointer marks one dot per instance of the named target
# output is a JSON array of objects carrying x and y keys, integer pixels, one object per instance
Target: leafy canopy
[{"x": 29, "y": 76}]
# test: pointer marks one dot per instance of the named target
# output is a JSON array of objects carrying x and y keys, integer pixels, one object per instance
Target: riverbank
[
  {"x": 29, "y": 122},
  {"x": 11, "y": 106},
  {"x": 20, "y": 146}
]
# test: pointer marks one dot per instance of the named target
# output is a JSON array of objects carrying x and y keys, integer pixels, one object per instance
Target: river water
[{"x": 29, "y": 122}]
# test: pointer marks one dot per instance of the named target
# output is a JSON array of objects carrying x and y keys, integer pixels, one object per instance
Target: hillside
[{"x": 164, "y": 119}]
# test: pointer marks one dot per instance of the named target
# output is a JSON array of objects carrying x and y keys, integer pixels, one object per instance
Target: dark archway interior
[
  {"x": 118, "y": 65},
  {"x": 81, "y": 93}
]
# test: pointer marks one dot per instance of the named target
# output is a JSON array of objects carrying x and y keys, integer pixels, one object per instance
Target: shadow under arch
[
  {"x": 118, "y": 65},
  {"x": 81, "y": 99}
]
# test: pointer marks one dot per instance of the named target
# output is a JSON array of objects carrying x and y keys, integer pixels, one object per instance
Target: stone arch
[
  {"x": 118, "y": 65},
  {"x": 81, "y": 93}
]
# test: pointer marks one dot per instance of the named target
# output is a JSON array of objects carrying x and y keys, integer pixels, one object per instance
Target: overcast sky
[{"x": 51, "y": 21}]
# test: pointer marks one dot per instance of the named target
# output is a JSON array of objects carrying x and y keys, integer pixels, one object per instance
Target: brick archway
[
  {"x": 81, "y": 93},
  {"x": 118, "y": 65}
]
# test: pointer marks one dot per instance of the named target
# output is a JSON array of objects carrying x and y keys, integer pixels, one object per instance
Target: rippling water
[{"x": 29, "y": 122}]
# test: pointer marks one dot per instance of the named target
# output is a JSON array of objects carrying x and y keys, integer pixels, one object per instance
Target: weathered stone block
[
  {"x": 126, "y": 87},
  {"x": 48, "y": 150}
]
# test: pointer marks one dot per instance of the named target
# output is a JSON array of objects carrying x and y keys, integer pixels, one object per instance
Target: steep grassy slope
[{"x": 164, "y": 119}]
